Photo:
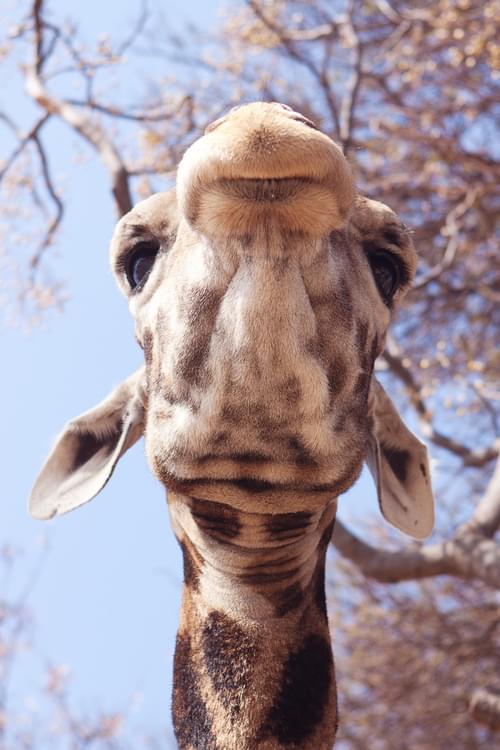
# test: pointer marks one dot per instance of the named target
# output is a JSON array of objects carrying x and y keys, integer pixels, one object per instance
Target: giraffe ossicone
[{"x": 262, "y": 289}]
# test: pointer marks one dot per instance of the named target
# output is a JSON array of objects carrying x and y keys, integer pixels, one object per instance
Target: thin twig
[
  {"x": 90, "y": 131},
  {"x": 470, "y": 456},
  {"x": 54, "y": 224},
  {"x": 354, "y": 83},
  {"x": 24, "y": 140},
  {"x": 452, "y": 228},
  {"x": 320, "y": 76}
]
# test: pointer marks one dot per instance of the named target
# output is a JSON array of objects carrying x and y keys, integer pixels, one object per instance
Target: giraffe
[{"x": 262, "y": 288}]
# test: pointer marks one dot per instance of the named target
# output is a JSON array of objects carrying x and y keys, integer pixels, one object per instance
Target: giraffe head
[{"x": 262, "y": 290}]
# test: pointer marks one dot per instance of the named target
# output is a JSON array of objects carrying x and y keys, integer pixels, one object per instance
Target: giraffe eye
[
  {"x": 386, "y": 271},
  {"x": 140, "y": 262}
]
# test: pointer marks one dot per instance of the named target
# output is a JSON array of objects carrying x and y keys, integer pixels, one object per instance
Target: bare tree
[
  {"x": 411, "y": 657},
  {"x": 411, "y": 92}
]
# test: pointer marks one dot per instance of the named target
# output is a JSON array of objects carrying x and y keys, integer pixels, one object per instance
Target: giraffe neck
[{"x": 253, "y": 664}]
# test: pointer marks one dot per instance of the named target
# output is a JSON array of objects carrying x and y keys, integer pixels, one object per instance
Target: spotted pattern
[
  {"x": 287, "y": 526},
  {"x": 220, "y": 522},
  {"x": 229, "y": 653},
  {"x": 200, "y": 308},
  {"x": 192, "y": 724},
  {"x": 303, "y": 695},
  {"x": 192, "y": 565},
  {"x": 288, "y": 599}
]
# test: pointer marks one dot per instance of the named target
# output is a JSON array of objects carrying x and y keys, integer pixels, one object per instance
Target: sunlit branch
[
  {"x": 470, "y": 554},
  {"x": 137, "y": 29},
  {"x": 90, "y": 131},
  {"x": 452, "y": 227},
  {"x": 123, "y": 114},
  {"x": 354, "y": 83},
  {"x": 295, "y": 54},
  {"x": 54, "y": 224},
  {"x": 24, "y": 140},
  {"x": 486, "y": 517},
  {"x": 470, "y": 456}
]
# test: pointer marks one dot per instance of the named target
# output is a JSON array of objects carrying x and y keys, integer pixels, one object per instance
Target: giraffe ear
[
  {"x": 399, "y": 464},
  {"x": 88, "y": 449}
]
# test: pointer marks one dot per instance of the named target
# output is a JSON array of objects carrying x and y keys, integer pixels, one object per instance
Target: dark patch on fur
[
  {"x": 252, "y": 485},
  {"x": 282, "y": 526},
  {"x": 200, "y": 307},
  {"x": 220, "y": 438},
  {"x": 147, "y": 346},
  {"x": 232, "y": 414},
  {"x": 249, "y": 457},
  {"x": 174, "y": 397},
  {"x": 398, "y": 461},
  {"x": 191, "y": 566},
  {"x": 229, "y": 656},
  {"x": 266, "y": 576},
  {"x": 344, "y": 311},
  {"x": 246, "y": 484},
  {"x": 88, "y": 445},
  {"x": 367, "y": 356},
  {"x": 219, "y": 521},
  {"x": 361, "y": 385},
  {"x": 291, "y": 391},
  {"x": 305, "y": 684},
  {"x": 361, "y": 337},
  {"x": 337, "y": 376},
  {"x": 315, "y": 347},
  {"x": 423, "y": 471},
  {"x": 280, "y": 265},
  {"x": 302, "y": 456},
  {"x": 288, "y": 599},
  {"x": 192, "y": 724}
]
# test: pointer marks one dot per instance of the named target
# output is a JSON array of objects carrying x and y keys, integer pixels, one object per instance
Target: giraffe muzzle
[{"x": 264, "y": 165}]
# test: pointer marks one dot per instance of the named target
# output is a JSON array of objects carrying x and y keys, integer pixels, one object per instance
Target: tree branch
[
  {"x": 354, "y": 83},
  {"x": 295, "y": 54},
  {"x": 486, "y": 518},
  {"x": 23, "y": 140},
  {"x": 124, "y": 115},
  {"x": 52, "y": 228},
  {"x": 391, "y": 566},
  {"x": 471, "y": 457},
  {"x": 469, "y": 556},
  {"x": 452, "y": 228},
  {"x": 90, "y": 131}
]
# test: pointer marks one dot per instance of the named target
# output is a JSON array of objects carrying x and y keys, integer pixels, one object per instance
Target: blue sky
[{"x": 107, "y": 595}]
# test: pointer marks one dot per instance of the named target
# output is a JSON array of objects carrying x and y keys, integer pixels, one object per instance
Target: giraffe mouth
[{"x": 262, "y": 190}]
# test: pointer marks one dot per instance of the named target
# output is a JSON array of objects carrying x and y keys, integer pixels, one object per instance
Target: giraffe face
[{"x": 261, "y": 292}]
